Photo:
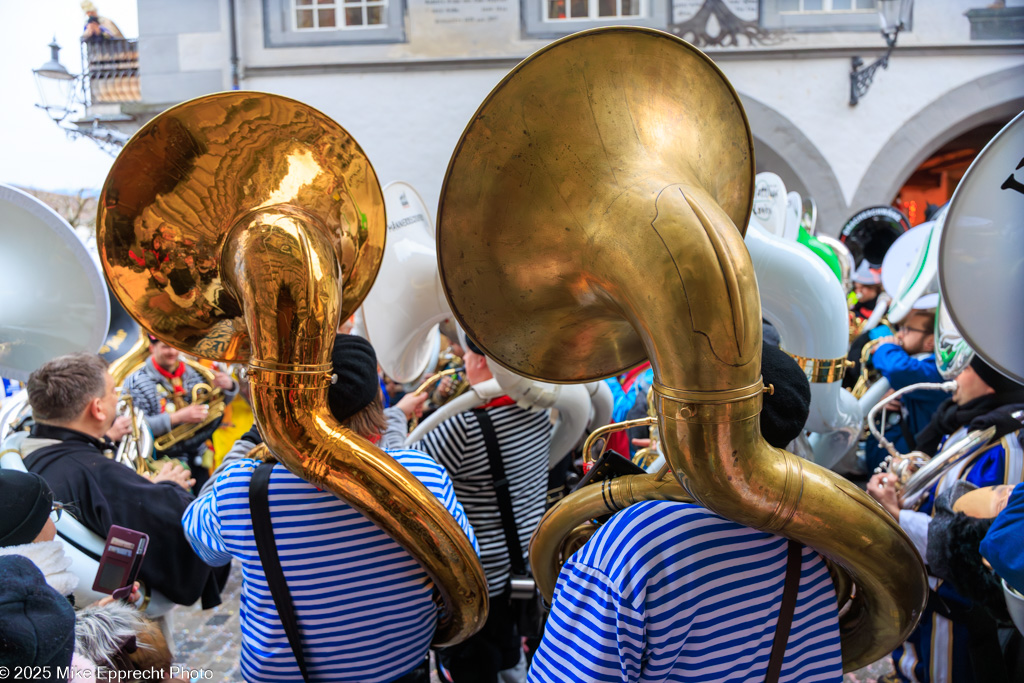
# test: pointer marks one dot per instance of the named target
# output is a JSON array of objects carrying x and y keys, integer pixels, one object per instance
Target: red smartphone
[{"x": 120, "y": 562}]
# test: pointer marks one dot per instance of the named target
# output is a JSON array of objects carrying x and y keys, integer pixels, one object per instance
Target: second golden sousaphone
[
  {"x": 240, "y": 227},
  {"x": 591, "y": 216}
]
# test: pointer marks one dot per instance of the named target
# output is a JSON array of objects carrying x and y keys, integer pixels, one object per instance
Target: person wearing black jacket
[{"x": 74, "y": 403}]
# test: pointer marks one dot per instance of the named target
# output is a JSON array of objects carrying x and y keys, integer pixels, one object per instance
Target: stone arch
[
  {"x": 780, "y": 147},
  {"x": 994, "y": 97}
]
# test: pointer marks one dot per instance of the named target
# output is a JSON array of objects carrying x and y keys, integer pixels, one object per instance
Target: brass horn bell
[
  {"x": 592, "y": 215},
  {"x": 241, "y": 226}
]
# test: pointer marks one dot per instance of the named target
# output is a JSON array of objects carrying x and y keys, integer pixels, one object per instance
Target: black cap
[
  {"x": 25, "y": 503},
  {"x": 992, "y": 377},
  {"x": 785, "y": 411},
  {"x": 355, "y": 365},
  {"x": 471, "y": 345},
  {"x": 37, "y": 624}
]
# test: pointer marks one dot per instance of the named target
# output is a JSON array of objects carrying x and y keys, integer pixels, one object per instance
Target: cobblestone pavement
[{"x": 211, "y": 640}]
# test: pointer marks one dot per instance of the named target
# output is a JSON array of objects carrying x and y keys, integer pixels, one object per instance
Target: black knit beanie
[
  {"x": 25, "y": 504},
  {"x": 355, "y": 364},
  {"x": 471, "y": 345},
  {"x": 37, "y": 624},
  {"x": 992, "y": 377},
  {"x": 785, "y": 411}
]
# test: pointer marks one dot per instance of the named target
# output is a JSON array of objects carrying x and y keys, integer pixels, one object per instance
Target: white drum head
[
  {"x": 54, "y": 300},
  {"x": 981, "y": 256}
]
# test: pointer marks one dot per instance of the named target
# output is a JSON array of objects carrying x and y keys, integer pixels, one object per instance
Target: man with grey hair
[{"x": 74, "y": 404}]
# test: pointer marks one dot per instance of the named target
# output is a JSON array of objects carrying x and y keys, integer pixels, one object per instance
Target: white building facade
[{"x": 404, "y": 77}]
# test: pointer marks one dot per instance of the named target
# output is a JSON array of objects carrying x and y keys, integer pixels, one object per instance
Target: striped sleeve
[
  {"x": 201, "y": 521},
  {"x": 446, "y": 443},
  {"x": 436, "y": 479},
  {"x": 604, "y": 635}
]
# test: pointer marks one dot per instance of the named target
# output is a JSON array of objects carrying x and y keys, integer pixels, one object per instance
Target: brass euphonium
[
  {"x": 240, "y": 226},
  {"x": 589, "y": 219}
]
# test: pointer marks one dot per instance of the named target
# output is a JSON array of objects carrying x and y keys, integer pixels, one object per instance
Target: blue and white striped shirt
[
  {"x": 670, "y": 591},
  {"x": 364, "y": 605}
]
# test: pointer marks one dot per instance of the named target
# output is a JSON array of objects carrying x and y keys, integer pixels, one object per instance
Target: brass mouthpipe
[{"x": 291, "y": 314}]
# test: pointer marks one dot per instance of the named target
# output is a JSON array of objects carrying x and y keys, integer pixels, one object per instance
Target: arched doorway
[
  {"x": 991, "y": 100},
  {"x": 932, "y": 183}
]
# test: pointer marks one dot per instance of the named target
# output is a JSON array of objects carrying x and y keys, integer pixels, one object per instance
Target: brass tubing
[
  {"x": 773, "y": 490},
  {"x": 292, "y": 316},
  {"x": 588, "y": 503},
  {"x": 572, "y": 246}
]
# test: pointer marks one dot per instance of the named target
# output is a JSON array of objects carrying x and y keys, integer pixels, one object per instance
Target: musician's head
[
  {"x": 74, "y": 391},
  {"x": 355, "y": 398},
  {"x": 867, "y": 281},
  {"x": 164, "y": 355},
  {"x": 917, "y": 333},
  {"x": 477, "y": 369},
  {"x": 981, "y": 379}
]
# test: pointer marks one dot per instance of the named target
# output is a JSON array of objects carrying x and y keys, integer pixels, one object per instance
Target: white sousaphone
[
  {"x": 981, "y": 275},
  {"x": 62, "y": 307},
  {"x": 401, "y": 315},
  {"x": 771, "y": 206},
  {"x": 813, "y": 328},
  {"x": 910, "y": 270},
  {"x": 402, "y": 312},
  {"x": 981, "y": 267}
]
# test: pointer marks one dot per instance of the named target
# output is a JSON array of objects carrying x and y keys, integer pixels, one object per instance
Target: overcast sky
[{"x": 33, "y": 151}]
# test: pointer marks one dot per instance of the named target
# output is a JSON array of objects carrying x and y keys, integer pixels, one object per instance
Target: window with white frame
[
  {"x": 557, "y": 18},
  {"x": 560, "y": 10},
  {"x": 826, "y": 5},
  {"x": 820, "y": 15},
  {"x": 331, "y": 15},
  {"x": 312, "y": 23}
]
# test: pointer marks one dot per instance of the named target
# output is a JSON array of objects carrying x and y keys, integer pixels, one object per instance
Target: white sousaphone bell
[
  {"x": 65, "y": 311},
  {"x": 910, "y": 270},
  {"x": 981, "y": 267},
  {"x": 402, "y": 312},
  {"x": 401, "y": 315},
  {"x": 813, "y": 328}
]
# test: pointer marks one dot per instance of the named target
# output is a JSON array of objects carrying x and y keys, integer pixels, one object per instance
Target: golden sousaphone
[
  {"x": 240, "y": 227},
  {"x": 588, "y": 220}
]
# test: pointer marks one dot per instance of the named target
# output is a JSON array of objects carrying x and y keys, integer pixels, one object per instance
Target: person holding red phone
[{"x": 74, "y": 403}]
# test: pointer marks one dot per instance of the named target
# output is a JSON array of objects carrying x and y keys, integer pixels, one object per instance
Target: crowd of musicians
[
  {"x": 329, "y": 481},
  {"x": 664, "y": 591}
]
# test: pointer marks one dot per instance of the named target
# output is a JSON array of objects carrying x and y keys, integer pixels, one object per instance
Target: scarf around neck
[
  {"x": 52, "y": 561},
  {"x": 950, "y": 417},
  {"x": 173, "y": 377}
]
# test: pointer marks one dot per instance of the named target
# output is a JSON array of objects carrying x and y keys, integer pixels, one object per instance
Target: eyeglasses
[{"x": 55, "y": 511}]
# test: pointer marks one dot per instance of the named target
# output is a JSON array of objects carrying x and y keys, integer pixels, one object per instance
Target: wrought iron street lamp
[
  {"x": 894, "y": 16},
  {"x": 62, "y": 94}
]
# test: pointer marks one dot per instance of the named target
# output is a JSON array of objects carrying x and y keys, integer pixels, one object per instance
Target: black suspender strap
[
  {"x": 263, "y": 531},
  {"x": 788, "y": 607},
  {"x": 501, "y": 490}
]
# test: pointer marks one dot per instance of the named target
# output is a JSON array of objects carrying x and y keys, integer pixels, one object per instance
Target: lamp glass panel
[{"x": 55, "y": 94}]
